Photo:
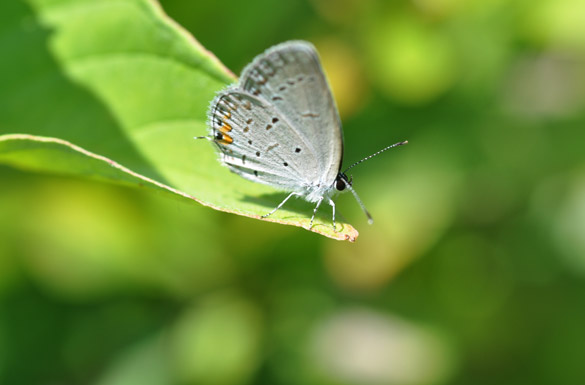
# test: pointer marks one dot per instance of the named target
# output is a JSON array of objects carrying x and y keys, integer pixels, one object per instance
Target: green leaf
[{"x": 115, "y": 90}]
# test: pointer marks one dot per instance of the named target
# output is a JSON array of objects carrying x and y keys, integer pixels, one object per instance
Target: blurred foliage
[{"x": 473, "y": 273}]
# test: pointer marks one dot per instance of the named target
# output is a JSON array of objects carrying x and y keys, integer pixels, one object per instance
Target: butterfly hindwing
[{"x": 258, "y": 143}]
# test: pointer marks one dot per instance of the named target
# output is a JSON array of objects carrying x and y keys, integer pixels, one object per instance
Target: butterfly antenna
[
  {"x": 202, "y": 137},
  {"x": 373, "y": 155},
  {"x": 357, "y": 198}
]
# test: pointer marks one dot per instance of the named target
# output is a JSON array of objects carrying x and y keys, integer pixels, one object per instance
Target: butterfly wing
[
  {"x": 289, "y": 78},
  {"x": 257, "y": 142}
]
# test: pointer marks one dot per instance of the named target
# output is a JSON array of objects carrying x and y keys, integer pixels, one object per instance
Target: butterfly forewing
[{"x": 289, "y": 77}]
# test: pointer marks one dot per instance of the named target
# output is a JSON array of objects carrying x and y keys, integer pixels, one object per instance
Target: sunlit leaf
[{"x": 116, "y": 91}]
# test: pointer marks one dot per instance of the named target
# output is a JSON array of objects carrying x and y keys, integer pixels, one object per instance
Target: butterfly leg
[
  {"x": 315, "y": 212},
  {"x": 333, "y": 207},
  {"x": 280, "y": 205}
]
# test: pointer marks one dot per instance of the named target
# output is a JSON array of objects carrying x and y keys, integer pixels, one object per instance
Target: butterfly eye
[{"x": 341, "y": 182}]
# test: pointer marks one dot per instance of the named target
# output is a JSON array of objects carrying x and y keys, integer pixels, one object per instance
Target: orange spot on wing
[
  {"x": 225, "y": 128},
  {"x": 226, "y": 139}
]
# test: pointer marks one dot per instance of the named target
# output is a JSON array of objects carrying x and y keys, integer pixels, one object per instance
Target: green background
[{"x": 473, "y": 272}]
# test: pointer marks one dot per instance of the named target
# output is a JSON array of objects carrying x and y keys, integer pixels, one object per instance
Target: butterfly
[{"x": 279, "y": 126}]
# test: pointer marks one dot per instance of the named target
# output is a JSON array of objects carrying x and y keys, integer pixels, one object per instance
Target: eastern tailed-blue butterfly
[{"x": 279, "y": 126}]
